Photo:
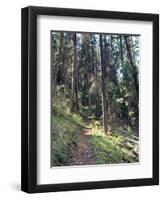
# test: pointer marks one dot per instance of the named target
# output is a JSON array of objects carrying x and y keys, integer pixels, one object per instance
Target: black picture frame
[{"x": 29, "y": 99}]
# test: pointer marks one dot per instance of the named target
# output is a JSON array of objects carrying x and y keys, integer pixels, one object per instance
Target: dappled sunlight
[
  {"x": 110, "y": 148},
  {"x": 94, "y": 98}
]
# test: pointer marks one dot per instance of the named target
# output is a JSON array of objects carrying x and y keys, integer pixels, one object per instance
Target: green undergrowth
[
  {"x": 65, "y": 130},
  {"x": 110, "y": 148}
]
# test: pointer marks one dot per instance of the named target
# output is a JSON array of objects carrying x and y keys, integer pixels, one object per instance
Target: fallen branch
[
  {"x": 134, "y": 141},
  {"x": 124, "y": 133}
]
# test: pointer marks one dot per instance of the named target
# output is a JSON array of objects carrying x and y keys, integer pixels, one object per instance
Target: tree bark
[
  {"x": 56, "y": 67},
  {"x": 122, "y": 63},
  {"x": 103, "y": 78},
  {"x": 74, "y": 99},
  {"x": 135, "y": 78},
  {"x": 134, "y": 69}
]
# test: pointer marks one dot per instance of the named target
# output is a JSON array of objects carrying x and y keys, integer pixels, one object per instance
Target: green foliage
[
  {"x": 65, "y": 129},
  {"x": 110, "y": 148},
  {"x": 129, "y": 131},
  {"x": 80, "y": 59}
]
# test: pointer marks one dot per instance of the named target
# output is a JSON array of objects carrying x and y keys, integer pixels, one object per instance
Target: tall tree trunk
[
  {"x": 135, "y": 78},
  {"x": 121, "y": 50},
  {"x": 122, "y": 63},
  {"x": 56, "y": 67},
  {"x": 134, "y": 69},
  {"x": 74, "y": 100},
  {"x": 108, "y": 73},
  {"x": 85, "y": 86},
  {"x": 103, "y": 78}
]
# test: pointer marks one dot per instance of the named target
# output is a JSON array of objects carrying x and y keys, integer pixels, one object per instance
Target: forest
[{"x": 94, "y": 98}]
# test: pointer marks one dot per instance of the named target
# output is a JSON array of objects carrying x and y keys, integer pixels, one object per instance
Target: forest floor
[
  {"x": 83, "y": 153},
  {"x": 80, "y": 140},
  {"x": 95, "y": 147}
]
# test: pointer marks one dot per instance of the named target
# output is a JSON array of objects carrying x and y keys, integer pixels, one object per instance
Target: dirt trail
[{"x": 82, "y": 154}]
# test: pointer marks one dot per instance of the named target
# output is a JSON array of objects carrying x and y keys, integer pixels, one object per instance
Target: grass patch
[
  {"x": 65, "y": 129},
  {"x": 111, "y": 148}
]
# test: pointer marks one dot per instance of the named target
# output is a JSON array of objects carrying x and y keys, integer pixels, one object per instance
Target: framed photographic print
[{"x": 90, "y": 99}]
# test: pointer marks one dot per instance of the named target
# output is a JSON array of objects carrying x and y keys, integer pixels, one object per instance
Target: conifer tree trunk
[
  {"x": 135, "y": 78},
  {"x": 103, "y": 78},
  {"x": 56, "y": 66},
  {"x": 122, "y": 63},
  {"x": 74, "y": 99},
  {"x": 134, "y": 70}
]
